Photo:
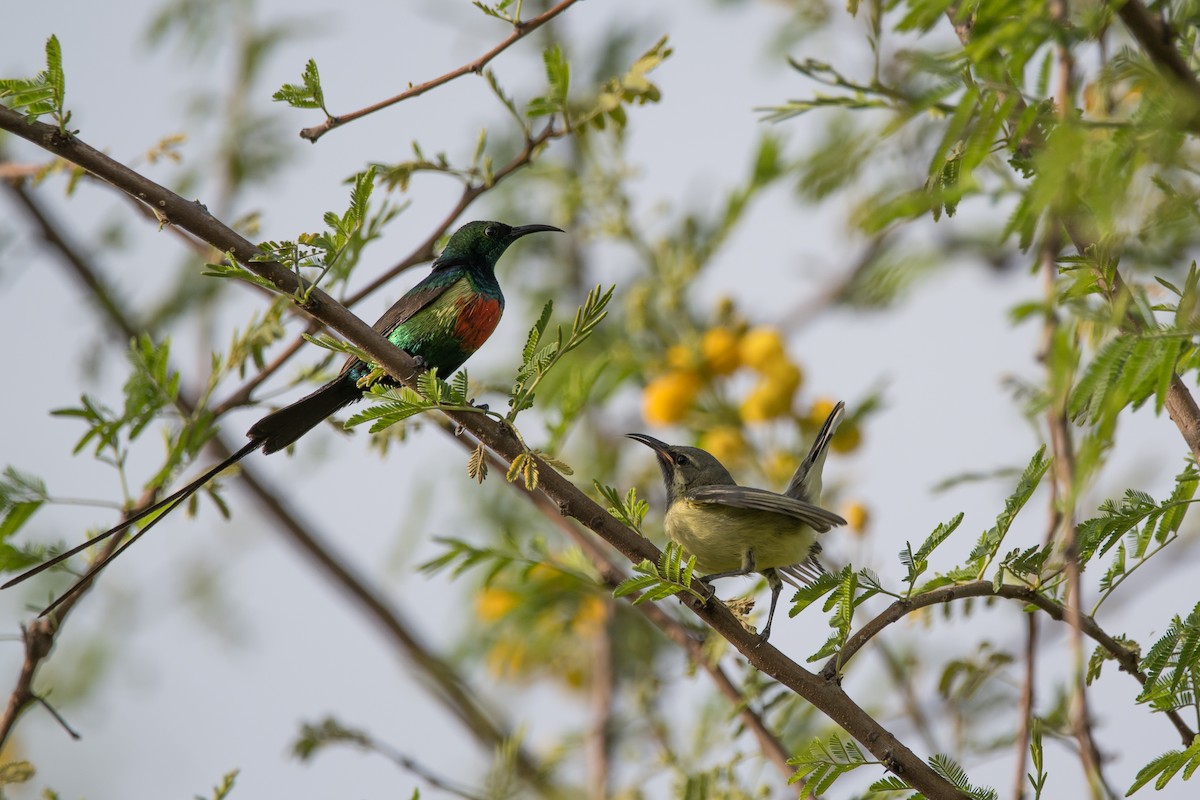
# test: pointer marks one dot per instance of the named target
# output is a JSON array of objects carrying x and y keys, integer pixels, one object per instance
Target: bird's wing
[
  {"x": 428, "y": 290},
  {"x": 815, "y": 517},
  {"x": 431, "y": 288}
]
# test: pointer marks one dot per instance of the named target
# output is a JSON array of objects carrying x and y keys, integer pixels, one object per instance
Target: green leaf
[
  {"x": 949, "y": 769},
  {"x": 814, "y": 591},
  {"x": 990, "y": 541},
  {"x": 307, "y": 94},
  {"x": 43, "y": 94},
  {"x": 1165, "y": 767},
  {"x": 823, "y": 762}
]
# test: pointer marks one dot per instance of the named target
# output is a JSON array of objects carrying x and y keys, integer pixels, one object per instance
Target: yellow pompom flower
[
  {"x": 589, "y": 616},
  {"x": 507, "y": 658},
  {"x": 780, "y": 466},
  {"x": 847, "y": 439},
  {"x": 784, "y": 376},
  {"x": 492, "y": 604},
  {"x": 668, "y": 397},
  {"x": 772, "y": 397},
  {"x": 765, "y": 401},
  {"x": 680, "y": 358},
  {"x": 720, "y": 350},
  {"x": 857, "y": 516},
  {"x": 725, "y": 443},
  {"x": 820, "y": 410},
  {"x": 761, "y": 347}
]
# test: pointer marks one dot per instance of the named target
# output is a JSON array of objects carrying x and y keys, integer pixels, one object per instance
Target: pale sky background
[{"x": 180, "y": 706}]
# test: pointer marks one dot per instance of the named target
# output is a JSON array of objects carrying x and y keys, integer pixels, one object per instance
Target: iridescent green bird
[
  {"x": 736, "y": 530},
  {"x": 440, "y": 322}
]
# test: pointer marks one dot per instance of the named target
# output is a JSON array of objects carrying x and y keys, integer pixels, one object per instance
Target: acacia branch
[
  {"x": 1025, "y": 709},
  {"x": 1063, "y": 495},
  {"x": 825, "y": 695},
  {"x": 1126, "y": 658},
  {"x": 1158, "y": 42},
  {"x": 520, "y": 31}
]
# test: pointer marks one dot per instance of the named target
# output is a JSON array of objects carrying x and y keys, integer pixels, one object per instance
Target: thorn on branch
[{"x": 57, "y": 717}]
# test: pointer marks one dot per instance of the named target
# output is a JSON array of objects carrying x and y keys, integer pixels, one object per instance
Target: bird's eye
[
  {"x": 680, "y": 459},
  {"x": 492, "y": 231}
]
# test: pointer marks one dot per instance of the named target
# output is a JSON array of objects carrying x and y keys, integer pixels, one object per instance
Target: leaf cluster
[
  {"x": 670, "y": 576},
  {"x": 42, "y": 94}
]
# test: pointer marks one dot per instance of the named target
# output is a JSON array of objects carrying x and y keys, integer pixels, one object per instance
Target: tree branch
[
  {"x": 520, "y": 31},
  {"x": 1158, "y": 44},
  {"x": 1126, "y": 658},
  {"x": 1025, "y": 709}
]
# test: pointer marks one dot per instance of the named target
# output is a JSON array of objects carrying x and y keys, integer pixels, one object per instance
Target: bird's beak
[
  {"x": 520, "y": 231},
  {"x": 661, "y": 448}
]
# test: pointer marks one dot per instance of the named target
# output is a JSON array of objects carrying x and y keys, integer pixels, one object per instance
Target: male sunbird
[
  {"x": 440, "y": 322},
  {"x": 736, "y": 530}
]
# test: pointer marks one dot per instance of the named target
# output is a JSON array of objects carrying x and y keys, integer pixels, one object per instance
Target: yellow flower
[
  {"x": 784, "y": 376},
  {"x": 819, "y": 411},
  {"x": 780, "y": 466},
  {"x": 857, "y": 516},
  {"x": 847, "y": 439},
  {"x": 760, "y": 347},
  {"x": 679, "y": 357},
  {"x": 589, "y": 616},
  {"x": 766, "y": 401},
  {"x": 668, "y": 397},
  {"x": 772, "y": 397},
  {"x": 507, "y": 658},
  {"x": 725, "y": 442},
  {"x": 492, "y": 604},
  {"x": 720, "y": 349}
]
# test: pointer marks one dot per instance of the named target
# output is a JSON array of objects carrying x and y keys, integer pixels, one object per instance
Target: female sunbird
[
  {"x": 737, "y": 530},
  {"x": 440, "y": 322}
]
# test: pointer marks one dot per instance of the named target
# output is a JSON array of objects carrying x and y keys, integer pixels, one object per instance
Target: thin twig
[
  {"x": 423, "y": 772},
  {"x": 1062, "y": 446},
  {"x": 1159, "y": 44},
  {"x": 599, "y": 735},
  {"x": 520, "y": 30},
  {"x": 1025, "y": 707},
  {"x": 1126, "y": 658},
  {"x": 902, "y": 677},
  {"x": 39, "y": 637}
]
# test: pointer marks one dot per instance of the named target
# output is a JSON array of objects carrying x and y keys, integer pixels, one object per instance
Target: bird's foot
[
  {"x": 420, "y": 362},
  {"x": 478, "y": 406},
  {"x": 712, "y": 592}
]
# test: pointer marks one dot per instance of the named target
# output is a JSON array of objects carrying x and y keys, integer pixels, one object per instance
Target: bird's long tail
[
  {"x": 279, "y": 429},
  {"x": 162, "y": 508},
  {"x": 273, "y": 432},
  {"x": 806, "y": 483}
]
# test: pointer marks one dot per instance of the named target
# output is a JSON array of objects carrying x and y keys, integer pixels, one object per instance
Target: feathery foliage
[{"x": 670, "y": 576}]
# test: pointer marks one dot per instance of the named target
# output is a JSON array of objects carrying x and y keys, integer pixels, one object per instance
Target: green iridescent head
[{"x": 483, "y": 242}]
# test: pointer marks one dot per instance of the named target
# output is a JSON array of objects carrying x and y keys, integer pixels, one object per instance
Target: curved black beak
[
  {"x": 521, "y": 230},
  {"x": 661, "y": 448}
]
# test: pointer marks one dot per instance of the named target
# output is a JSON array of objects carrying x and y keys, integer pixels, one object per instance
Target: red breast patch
[{"x": 477, "y": 318}]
